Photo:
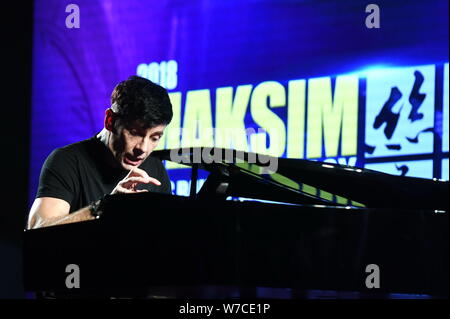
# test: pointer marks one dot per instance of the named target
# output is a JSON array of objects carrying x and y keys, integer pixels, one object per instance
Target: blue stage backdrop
[{"x": 309, "y": 77}]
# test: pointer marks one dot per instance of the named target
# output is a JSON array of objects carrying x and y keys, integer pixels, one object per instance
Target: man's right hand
[{"x": 134, "y": 178}]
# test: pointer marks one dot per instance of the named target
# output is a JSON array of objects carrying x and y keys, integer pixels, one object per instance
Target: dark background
[{"x": 15, "y": 101}]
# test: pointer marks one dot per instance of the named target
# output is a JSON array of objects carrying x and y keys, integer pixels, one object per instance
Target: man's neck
[{"x": 105, "y": 138}]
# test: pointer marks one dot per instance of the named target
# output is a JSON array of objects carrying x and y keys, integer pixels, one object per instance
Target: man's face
[{"x": 132, "y": 144}]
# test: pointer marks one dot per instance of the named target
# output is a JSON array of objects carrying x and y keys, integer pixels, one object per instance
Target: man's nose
[{"x": 143, "y": 146}]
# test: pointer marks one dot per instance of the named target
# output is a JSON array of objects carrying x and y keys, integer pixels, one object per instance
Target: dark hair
[{"x": 140, "y": 99}]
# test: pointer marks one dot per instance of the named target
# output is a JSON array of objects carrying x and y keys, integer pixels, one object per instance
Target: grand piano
[{"x": 297, "y": 230}]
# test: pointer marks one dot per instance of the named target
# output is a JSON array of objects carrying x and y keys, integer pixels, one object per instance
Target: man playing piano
[{"x": 75, "y": 178}]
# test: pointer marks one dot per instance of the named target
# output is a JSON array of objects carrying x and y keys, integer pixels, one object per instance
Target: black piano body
[{"x": 315, "y": 227}]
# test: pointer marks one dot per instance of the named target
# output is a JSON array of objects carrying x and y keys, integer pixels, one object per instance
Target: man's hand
[
  {"x": 135, "y": 177},
  {"x": 48, "y": 211}
]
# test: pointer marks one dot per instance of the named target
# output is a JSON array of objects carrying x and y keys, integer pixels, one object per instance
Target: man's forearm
[{"x": 81, "y": 215}]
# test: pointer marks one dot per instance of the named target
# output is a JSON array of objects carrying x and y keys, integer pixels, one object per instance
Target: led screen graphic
[{"x": 298, "y": 79}]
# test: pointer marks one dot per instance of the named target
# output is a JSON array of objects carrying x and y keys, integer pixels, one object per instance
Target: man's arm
[{"x": 49, "y": 211}]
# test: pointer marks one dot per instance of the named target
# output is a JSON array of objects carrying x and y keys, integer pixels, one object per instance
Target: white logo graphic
[{"x": 400, "y": 111}]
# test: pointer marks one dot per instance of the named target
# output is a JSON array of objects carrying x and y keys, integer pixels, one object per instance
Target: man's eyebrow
[{"x": 157, "y": 133}]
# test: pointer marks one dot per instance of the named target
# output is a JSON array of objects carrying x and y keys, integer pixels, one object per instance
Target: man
[{"x": 75, "y": 178}]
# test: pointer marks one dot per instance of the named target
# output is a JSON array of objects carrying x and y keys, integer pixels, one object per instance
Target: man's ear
[{"x": 109, "y": 120}]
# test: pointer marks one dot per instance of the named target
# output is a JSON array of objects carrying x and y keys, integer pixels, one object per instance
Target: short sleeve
[{"x": 58, "y": 177}]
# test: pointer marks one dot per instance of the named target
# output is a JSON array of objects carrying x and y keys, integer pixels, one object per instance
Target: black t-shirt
[{"x": 83, "y": 172}]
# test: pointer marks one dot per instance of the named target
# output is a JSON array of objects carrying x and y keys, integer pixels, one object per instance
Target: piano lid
[{"x": 245, "y": 174}]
